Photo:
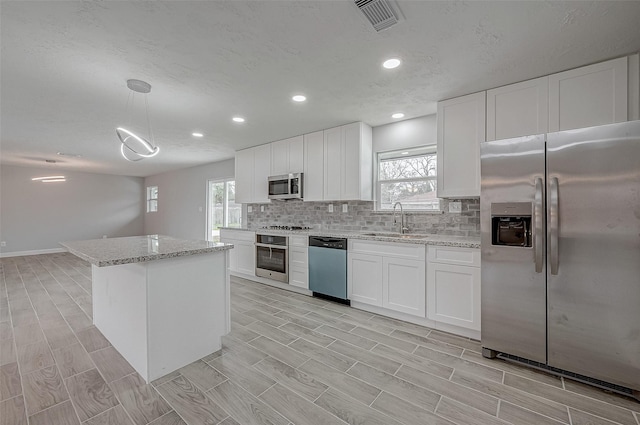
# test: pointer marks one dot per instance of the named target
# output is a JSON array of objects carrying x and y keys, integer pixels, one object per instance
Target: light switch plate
[
  {"x": 261, "y": 208},
  {"x": 249, "y": 208},
  {"x": 455, "y": 207},
  {"x": 345, "y": 207}
]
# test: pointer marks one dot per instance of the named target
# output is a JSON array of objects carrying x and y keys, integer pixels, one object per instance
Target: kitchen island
[{"x": 161, "y": 302}]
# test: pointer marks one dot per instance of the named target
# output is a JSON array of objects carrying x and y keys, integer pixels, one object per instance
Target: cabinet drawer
[
  {"x": 388, "y": 249},
  {"x": 237, "y": 235},
  {"x": 298, "y": 258},
  {"x": 299, "y": 241},
  {"x": 454, "y": 255}
]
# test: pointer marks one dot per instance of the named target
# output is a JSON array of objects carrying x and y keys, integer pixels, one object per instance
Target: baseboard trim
[{"x": 33, "y": 252}]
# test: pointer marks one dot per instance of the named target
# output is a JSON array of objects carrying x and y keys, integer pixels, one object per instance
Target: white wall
[
  {"x": 181, "y": 195},
  {"x": 405, "y": 134},
  {"x": 36, "y": 216}
]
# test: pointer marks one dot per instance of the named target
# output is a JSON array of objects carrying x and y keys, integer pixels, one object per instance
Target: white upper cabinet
[
  {"x": 588, "y": 96},
  {"x": 519, "y": 109},
  {"x": 348, "y": 163},
  {"x": 287, "y": 156},
  {"x": 313, "y": 179},
  {"x": 244, "y": 176},
  {"x": 461, "y": 129},
  {"x": 252, "y": 172}
]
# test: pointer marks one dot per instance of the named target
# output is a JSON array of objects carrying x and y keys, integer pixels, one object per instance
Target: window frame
[
  {"x": 416, "y": 151},
  {"x": 151, "y": 199},
  {"x": 225, "y": 206}
]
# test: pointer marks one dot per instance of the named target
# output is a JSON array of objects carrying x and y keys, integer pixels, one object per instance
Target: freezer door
[
  {"x": 513, "y": 277},
  {"x": 594, "y": 252}
]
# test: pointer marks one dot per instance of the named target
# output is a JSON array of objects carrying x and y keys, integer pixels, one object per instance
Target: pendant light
[{"x": 134, "y": 147}]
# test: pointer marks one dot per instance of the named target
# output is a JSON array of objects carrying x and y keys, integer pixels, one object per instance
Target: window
[
  {"x": 408, "y": 176},
  {"x": 222, "y": 210},
  {"x": 152, "y": 198}
]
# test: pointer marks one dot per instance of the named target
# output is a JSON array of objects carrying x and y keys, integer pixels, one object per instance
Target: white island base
[{"x": 163, "y": 315}]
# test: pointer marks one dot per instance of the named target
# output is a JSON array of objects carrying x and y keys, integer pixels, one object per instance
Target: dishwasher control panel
[{"x": 328, "y": 242}]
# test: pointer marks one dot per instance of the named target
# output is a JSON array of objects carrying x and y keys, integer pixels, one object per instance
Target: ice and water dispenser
[{"x": 511, "y": 224}]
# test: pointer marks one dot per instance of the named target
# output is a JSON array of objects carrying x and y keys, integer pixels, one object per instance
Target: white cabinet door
[
  {"x": 287, "y": 156},
  {"x": 244, "y": 176},
  {"x": 262, "y": 171},
  {"x": 332, "y": 163},
  {"x": 453, "y": 295},
  {"x": 243, "y": 258},
  {"x": 403, "y": 285},
  {"x": 296, "y": 154},
  {"x": 314, "y": 166},
  {"x": 280, "y": 157},
  {"x": 461, "y": 129},
  {"x": 350, "y": 157},
  {"x": 364, "y": 283},
  {"x": 519, "y": 109},
  {"x": 588, "y": 96},
  {"x": 298, "y": 267}
]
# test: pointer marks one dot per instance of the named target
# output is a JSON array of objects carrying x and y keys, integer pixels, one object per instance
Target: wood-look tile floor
[{"x": 289, "y": 359}]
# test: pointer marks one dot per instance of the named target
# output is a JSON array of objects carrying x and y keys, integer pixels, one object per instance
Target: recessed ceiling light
[
  {"x": 397, "y": 115},
  {"x": 404, "y": 153},
  {"x": 391, "y": 63},
  {"x": 196, "y": 134},
  {"x": 238, "y": 119},
  {"x": 299, "y": 98}
]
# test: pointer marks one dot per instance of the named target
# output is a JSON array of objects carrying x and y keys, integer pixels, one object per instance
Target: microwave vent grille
[{"x": 378, "y": 12}]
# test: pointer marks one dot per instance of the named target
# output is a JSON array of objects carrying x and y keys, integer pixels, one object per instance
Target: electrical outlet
[
  {"x": 330, "y": 207},
  {"x": 345, "y": 208},
  {"x": 104, "y": 236},
  {"x": 261, "y": 208},
  {"x": 455, "y": 207},
  {"x": 199, "y": 209},
  {"x": 249, "y": 209},
  {"x": 3, "y": 243}
]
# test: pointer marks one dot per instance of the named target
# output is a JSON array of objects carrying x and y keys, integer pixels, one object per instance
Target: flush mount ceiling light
[
  {"x": 134, "y": 147},
  {"x": 49, "y": 179},
  {"x": 196, "y": 134},
  {"x": 299, "y": 98},
  {"x": 238, "y": 119},
  {"x": 391, "y": 63},
  {"x": 397, "y": 115}
]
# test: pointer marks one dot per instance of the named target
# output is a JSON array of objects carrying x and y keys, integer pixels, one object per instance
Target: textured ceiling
[{"x": 64, "y": 67}]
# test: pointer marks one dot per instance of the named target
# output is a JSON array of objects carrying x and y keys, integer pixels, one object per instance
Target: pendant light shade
[{"x": 134, "y": 147}]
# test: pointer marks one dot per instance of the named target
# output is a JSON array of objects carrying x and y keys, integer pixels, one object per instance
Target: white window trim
[
  {"x": 425, "y": 149},
  {"x": 225, "y": 203},
  {"x": 149, "y": 198}
]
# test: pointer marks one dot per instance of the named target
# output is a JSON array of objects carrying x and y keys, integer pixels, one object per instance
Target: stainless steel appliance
[
  {"x": 286, "y": 186},
  {"x": 328, "y": 268},
  {"x": 560, "y": 220},
  {"x": 272, "y": 257}
]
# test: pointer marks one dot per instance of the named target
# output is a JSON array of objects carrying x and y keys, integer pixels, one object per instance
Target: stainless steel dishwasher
[{"x": 328, "y": 268}]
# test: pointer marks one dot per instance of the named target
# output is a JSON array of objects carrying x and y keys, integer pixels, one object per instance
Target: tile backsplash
[{"x": 361, "y": 216}]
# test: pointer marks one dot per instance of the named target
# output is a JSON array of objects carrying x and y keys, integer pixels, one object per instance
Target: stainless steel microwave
[{"x": 286, "y": 186}]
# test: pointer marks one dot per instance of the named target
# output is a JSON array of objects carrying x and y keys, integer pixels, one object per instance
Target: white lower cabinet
[
  {"x": 453, "y": 286},
  {"x": 388, "y": 275},
  {"x": 242, "y": 258},
  {"x": 299, "y": 261},
  {"x": 364, "y": 281}
]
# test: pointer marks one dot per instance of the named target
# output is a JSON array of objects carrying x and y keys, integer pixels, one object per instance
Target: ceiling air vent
[{"x": 378, "y": 12}]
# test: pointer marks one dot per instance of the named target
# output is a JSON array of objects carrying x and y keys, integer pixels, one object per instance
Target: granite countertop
[
  {"x": 137, "y": 249},
  {"x": 414, "y": 238}
]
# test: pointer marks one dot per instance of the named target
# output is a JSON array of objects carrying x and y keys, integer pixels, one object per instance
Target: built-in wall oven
[{"x": 272, "y": 257}]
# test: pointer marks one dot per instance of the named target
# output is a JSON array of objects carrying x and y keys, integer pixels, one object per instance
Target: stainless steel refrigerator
[{"x": 560, "y": 222}]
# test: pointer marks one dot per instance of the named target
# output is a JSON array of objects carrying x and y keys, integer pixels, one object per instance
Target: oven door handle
[{"x": 266, "y": 245}]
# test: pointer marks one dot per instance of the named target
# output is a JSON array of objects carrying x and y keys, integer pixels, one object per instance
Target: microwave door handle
[
  {"x": 553, "y": 225},
  {"x": 537, "y": 217}
]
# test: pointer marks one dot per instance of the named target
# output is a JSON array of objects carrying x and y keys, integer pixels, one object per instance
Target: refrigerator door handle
[
  {"x": 537, "y": 216},
  {"x": 553, "y": 225}
]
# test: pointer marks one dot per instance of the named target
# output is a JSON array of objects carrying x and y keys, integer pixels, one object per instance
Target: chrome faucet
[{"x": 395, "y": 220}]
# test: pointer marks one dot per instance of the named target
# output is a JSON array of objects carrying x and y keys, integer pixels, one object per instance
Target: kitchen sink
[{"x": 395, "y": 235}]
